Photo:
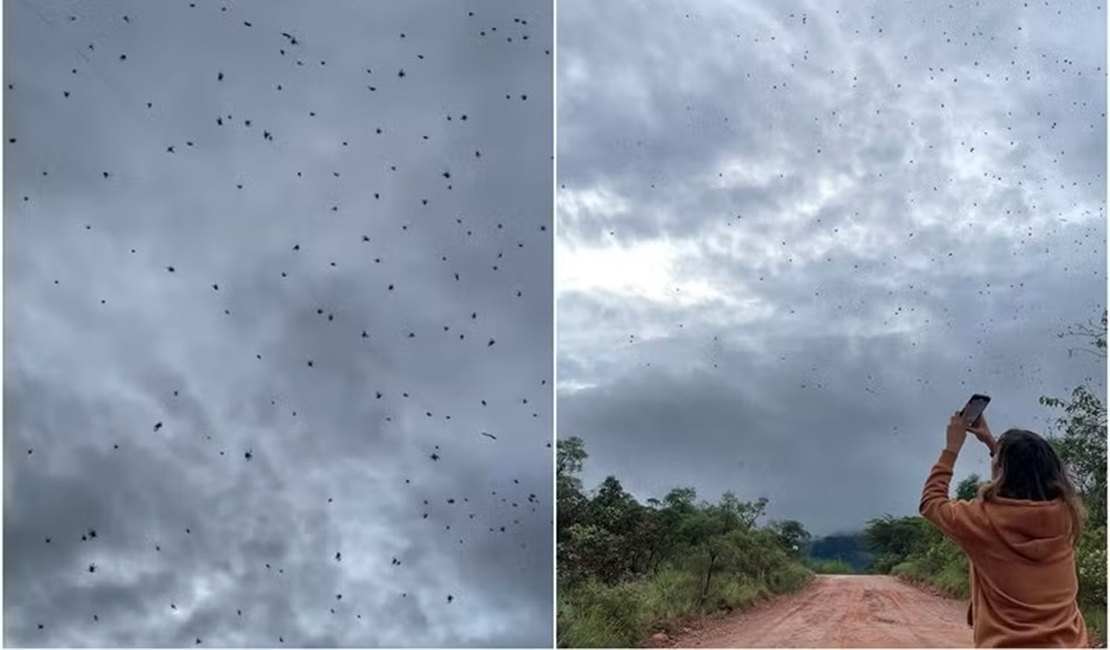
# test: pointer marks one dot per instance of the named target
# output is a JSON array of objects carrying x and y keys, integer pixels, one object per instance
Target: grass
[
  {"x": 950, "y": 579},
  {"x": 594, "y": 615},
  {"x": 830, "y": 567},
  {"x": 1095, "y": 616}
]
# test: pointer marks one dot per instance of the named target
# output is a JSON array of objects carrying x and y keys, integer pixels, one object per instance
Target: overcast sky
[
  {"x": 358, "y": 219},
  {"x": 794, "y": 237}
]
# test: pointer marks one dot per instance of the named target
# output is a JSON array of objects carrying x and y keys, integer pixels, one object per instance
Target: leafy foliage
[
  {"x": 893, "y": 540},
  {"x": 968, "y": 488},
  {"x": 625, "y": 566},
  {"x": 792, "y": 536},
  {"x": 1081, "y": 443},
  {"x": 830, "y": 567},
  {"x": 1082, "y": 446}
]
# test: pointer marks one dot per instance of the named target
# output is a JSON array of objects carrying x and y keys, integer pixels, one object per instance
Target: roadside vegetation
[
  {"x": 830, "y": 567},
  {"x": 627, "y": 569}
]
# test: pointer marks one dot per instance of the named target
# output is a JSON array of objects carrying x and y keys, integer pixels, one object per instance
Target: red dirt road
[{"x": 858, "y": 611}]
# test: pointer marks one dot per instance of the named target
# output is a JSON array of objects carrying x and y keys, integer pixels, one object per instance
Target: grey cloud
[
  {"x": 830, "y": 261},
  {"x": 334, "y": 468}
]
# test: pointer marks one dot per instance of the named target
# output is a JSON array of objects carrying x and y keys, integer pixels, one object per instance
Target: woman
[{"x": 1019, "y": 535}]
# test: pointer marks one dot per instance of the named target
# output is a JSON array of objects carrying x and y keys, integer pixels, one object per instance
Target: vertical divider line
[{"x": 554, "y": 318}]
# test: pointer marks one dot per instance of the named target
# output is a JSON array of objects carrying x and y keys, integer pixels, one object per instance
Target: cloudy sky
[
  {"x": 265, "y": 293},
  {"x": 794, "y": 237}
]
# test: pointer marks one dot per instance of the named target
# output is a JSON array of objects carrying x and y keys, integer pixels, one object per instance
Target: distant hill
[{"x": 848, "y": 547}]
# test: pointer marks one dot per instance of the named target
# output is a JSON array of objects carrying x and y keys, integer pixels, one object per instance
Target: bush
[
  {"x": 1095, "y": 617},
  {"x": 1091, "y": 564},
  {"x": 732, "y": 594},
  {"x": 595, "y": 615},
  {"x": 947, "y": 582},
  {"x": 830, "y": 567},
  {"x": 669, "y": 596},
  {"x": 626, "y": 568}
]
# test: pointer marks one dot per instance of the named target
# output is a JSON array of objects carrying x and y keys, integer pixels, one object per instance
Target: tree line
[{"x": 626, "y": 567}]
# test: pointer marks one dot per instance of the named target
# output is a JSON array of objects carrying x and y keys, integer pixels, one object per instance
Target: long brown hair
[{"x": 1027, "y": 467}]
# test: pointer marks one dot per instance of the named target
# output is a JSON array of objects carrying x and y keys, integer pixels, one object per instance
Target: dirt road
[{"x": 842, "y": 612}]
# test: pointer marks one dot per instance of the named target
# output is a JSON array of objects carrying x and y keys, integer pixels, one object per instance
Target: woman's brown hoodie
[{"x": 1023, "y": 579}]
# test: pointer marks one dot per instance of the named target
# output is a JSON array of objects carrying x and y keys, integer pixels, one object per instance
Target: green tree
[
  {"x": 1082, "y": 445},
  {"x": 681, "y": 499},
  {"x": 968, "y": 488},
  {"x": 623, "y": 564},
  {"x": 892, "y": 540},
  {"x": 589, "y": 551},
  {"x": 570, "y": 501},
  {"x": 751, "y": 511},
  {"x": 1080, "y": 439},
  {"x": 1083, "y": 422},
  {"x": 569, "y": 456},
  {"x": 791, "y": 536},
  {"x": 617, "y": 511}
]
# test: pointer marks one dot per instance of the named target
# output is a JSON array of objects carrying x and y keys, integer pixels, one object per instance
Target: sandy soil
[{"x": 857, "y": 611}]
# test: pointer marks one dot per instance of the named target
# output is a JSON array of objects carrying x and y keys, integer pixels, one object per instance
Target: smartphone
[{"x": 975, "y": 407}]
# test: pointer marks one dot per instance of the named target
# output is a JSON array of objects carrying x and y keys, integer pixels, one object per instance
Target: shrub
[
  {"x": 830, "y": 567},
  {"x": 593, "y": 614},
  {"x": 596, "y": 615}
]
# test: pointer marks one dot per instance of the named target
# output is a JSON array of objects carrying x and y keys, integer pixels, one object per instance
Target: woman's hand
[
  {"x": 957, "y": 432},
  {"x": 983, "y": 433}
]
